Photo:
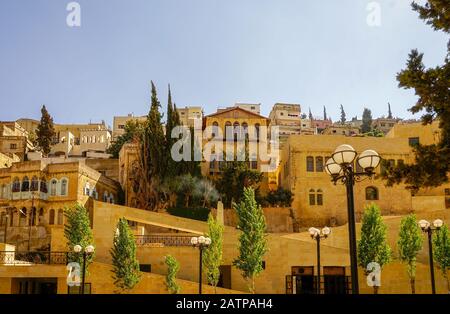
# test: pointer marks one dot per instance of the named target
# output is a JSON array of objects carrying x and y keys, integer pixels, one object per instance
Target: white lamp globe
[
  {"x": 77, "y": 248},
  {"x": 313, "y": 231},
  {"x": 208, "y": 241},
  {"x": 424, "y": 224},
  {"x": 201, "y": 239},
  {"x": 332, "y": 168},
  {"x": 438, "y": 223},
  {"x": 89, "y": 249},
  {"x": 326, "y": 231},
  {"x": 344, "y": 154},
  {"x": 369, "y": 159},
  {"x": 194, "y": 240}
]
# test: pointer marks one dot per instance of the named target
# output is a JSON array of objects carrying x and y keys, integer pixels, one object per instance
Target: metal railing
[
  {"x": 164, "y": 240},
  {"x": 20, "y": 258}
]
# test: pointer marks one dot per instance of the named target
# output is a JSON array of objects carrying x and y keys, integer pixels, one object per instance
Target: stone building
[
  {"x": 341, "y": 129},
  {"x": 33, "y": 195},
  {"x": 384, "y": 124},
  {"x": 119, "y": 123},
  {"x": 287, "y": 117},
  {"x": 14, "y": 140},
  {"x": 318, "y": 201},
  {"x": 188, "y": 115}
]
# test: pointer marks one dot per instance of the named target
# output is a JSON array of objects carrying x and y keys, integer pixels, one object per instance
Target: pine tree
[
  {"x": 410, "y": 242},
  {"x": 441, "y": 252},
  {"x": 252, "y": 239},
  {"x": 432, "y": 162},
  {"x": 372, "y": 247},
  {"x": 171, "y": 278},
  {"x": 77, "y": 231},
  {"x": 45, "y": 131},
  {"x": 343, "y": 119},
  {"x": 366, "y": 121},
  {"x": 212, "y": 255},
  {"x": 123, "y": 254},
  {"x": 389, "y": 112}
]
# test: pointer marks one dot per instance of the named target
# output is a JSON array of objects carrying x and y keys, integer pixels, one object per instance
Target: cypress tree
[
  {"x": 45, "y": 131},
  {"x": 310, "y": 115},
  {"x": 171, "y": 278},
  {"x": 389, "y": 111},
  {"x": 343, "y": 119},
  {"x": 409, "y": 244},
  {"x": 212, "y": 255},
  {"x": 123, "y": 253},
  {"x": 77, "y": 231},
  {"x": 252, "y": 239},
  {"x": 372, "y": 247},
  {"x": 366, "y": 121},
  {"x": 325, "y": 113}
]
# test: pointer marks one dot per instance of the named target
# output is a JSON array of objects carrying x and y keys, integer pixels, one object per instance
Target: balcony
[
  {"x": 163, "y": 240},
  {"x": 13, "y": 258}
]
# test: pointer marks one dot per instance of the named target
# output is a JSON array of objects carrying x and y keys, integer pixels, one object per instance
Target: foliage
[
  {"x": 236, "y": 176},
  {"x": 123, "y": 254},
  {"x": 252, "y": 239},
  {"x": 197, "y": 213},
  {"x": 172, "y": 269},
  {"x": 77, "y": 231},
  {"x": 212, "y": 255},
  {"x": 410, "y": 242},
  {"x": 343, "y": 118},
  {"x": 279, "y": 197},
  {"x": 374, "y": 133},
  {"x": 372, "y": 247},
  {"x": 366, "y": 121},
  {"x": 441, "y": 252},
  {"x": 132, "y": 131},
  {"x": 45, "y": 131},
  {"x": 432, "y": 162}
]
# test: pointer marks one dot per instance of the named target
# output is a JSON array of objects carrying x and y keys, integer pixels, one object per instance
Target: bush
[
  {"x": 280, "y": 197},
  {"x": 197, "y": 213}
]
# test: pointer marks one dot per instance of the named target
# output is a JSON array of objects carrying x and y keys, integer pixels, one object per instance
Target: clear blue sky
[{"x": 213, "y": 53}]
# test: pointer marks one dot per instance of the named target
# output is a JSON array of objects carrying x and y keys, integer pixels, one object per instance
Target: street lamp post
[
  {"x": 317, "y": 235},
  {"x": 88, "y": 250},
  {"x": 201, "y": 242},
  {"x": 340, "y": 167},
  {"x": 426, "y": 227}
]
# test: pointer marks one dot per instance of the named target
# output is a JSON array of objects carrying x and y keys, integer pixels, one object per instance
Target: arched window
[
  {"x": 34, "y": 184},
  {"x": 319, "y": 197},
  {"x": 102, "y": 139},
  {"x": 41, "y": 216},
  {"x": 64, "y": 182},
  {"x": 215, "y": 129},
  {"x": 312, "y": 197},
  {"x": 228, "y": 131},
  {"x": 310, "y": 164},
  {"x": 25, "y": 184},
  {"x": 85, "y": 139},
  {"x": 23, "y": 217},
  {"x": 245, "y": 130},
  {"x": 43, "y": 186},
  {"x": 51, "y": 217},
  {"x": 236, "y": 130},
  {"x": 53, "y": 187},
  {"x": 94, "y": 139},
  {"x": 257, "y": 131},
  {"x": 371, "y": 193},
  {"x": 87, "y": 188},
  {"x": 16, "y": 185},
  {"x": 60, "y": 217},
  {"x": 319, "y": 164},
  {"x": 32, "y": 218}
]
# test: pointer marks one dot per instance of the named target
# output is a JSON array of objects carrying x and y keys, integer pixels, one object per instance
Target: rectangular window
[
  {"x": 13, "y": 146},
  {"x": 319, "y": 164},
  {"x": 121, "y": 126},
  {"x": 413, "y": 141},
  {"x": 146, "y": 268},
  {"x": 310, "y": 164}
]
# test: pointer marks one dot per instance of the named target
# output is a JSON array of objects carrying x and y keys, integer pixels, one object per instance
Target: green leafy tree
[
  {"x": 45, "y": 132},
  {"x": 77, "y": 231},
  {"x": 212, "y": 255},
  {"x": 410, "y": 242},
  {"x": 343, "y": 117},
  {"x": 252, "y": 238},
  {"x": 441, "y": 252},
  {"x": 126, "y": 273},
  {"x": 279, "y": 197},
  {"x": 171, "y": 278},
  {"x": 366, "y": 121},
  {"x": 372, "y": 247},
  {"x": 431, "y": 86},
  {"x": 132, "y": 132}
]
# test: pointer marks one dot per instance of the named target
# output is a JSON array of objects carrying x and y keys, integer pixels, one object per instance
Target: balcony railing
[
  {"x": 20, "y": 258},
  {"x": 164, "y": 240}
]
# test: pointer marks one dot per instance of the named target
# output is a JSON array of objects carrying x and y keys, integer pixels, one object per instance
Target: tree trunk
[
  {"x": 413, "y": 285},
  {"x": 375, "y": 289}
]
